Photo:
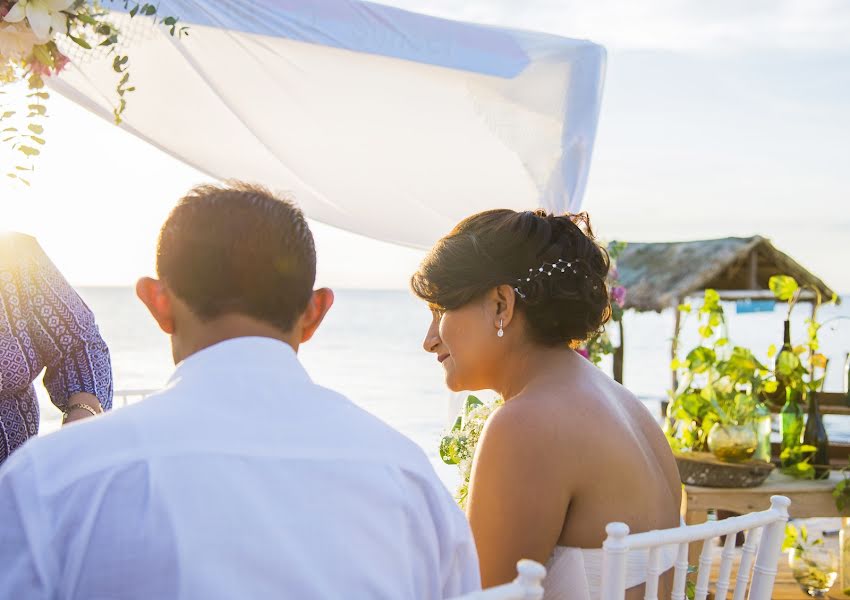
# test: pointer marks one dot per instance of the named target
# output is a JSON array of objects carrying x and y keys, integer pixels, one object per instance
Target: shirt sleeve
[
  {"x": 461, "y": 573},
  {"x": 24, "y": 558},
  {"x": 64, "y": 333}
]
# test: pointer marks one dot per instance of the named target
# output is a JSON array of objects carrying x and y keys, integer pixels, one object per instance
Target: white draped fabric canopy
[{"x": 379, "y": 121}]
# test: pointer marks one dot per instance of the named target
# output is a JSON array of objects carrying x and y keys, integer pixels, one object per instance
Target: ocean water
[{"x": 370, "y": 348}]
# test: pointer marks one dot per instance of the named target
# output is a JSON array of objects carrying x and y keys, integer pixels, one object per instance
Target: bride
[{"x": 571, "y": 450}]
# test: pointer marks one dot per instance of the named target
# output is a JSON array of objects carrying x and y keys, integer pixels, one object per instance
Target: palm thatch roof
[{"x": 659, "y": 275}]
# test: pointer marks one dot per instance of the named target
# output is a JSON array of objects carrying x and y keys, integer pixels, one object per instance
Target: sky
[{"x": 718, "y": 118}]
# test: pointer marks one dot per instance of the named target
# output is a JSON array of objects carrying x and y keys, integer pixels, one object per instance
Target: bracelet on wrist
[{"x": 80, "y": 406}]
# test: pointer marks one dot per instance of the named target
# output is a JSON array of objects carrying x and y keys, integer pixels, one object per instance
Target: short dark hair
[
  {"x": 238, "y": 249},
  {"x": 499, "y": 247}
]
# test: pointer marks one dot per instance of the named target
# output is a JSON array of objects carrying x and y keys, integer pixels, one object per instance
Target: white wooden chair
[
  {"x": 764, "y": 534},
  {"x": 527, "y": 586}
]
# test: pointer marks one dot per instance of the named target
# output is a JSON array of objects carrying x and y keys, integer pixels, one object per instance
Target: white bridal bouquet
[{"x": 458, "y": 446}]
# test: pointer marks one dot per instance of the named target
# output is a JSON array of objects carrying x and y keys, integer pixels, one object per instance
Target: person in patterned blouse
[{"x": 44, "y": 323}]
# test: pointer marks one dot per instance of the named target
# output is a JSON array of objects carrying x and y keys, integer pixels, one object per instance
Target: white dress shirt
[{"x": 241, "y": 479}]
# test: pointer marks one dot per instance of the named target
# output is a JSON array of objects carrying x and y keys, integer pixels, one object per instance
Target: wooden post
[
  {"x": 618, "y": 356},
  {"x": 754, "y": 270},
  {"x": 674, "y": 346}
]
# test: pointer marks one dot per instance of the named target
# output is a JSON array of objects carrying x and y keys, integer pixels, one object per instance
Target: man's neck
[{"x": 199, "y": 336}]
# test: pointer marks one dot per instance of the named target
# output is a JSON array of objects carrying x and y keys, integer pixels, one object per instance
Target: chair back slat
[
  {"x": 724, "y": 574},
  {"x": 614, "y": 562},
  {"x": 704, "y": 569},
  {"x": 746, "y": 566},
  {"x": 770, "y": 548},
  {"x": 767, "y": 524},
  {"x": 680, "y": 572},
  {"x": 653, "y": 571}
]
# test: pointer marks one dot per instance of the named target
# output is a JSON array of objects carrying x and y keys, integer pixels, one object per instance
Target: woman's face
[{"x": 466, "y": 343}]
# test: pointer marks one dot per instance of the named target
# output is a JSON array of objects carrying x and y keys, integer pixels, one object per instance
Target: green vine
[{"x": 88, "y": 26}]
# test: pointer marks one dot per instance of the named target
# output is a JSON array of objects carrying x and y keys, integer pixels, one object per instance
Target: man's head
[{"x": 234, "y": 261}]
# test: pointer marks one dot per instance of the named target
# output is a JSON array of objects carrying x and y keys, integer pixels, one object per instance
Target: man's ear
[
  {"x": 319, "y": 305},
  {"x": 153, "y": 294}
]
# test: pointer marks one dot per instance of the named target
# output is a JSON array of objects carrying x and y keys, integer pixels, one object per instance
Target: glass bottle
[
  {"x": 791, "y": 427},
  {"x": 844, "y": 565},
  {"x": 815, "y": 435},
  {"x": 762, "y": 426},
  {"x": 779, "y": 396}
]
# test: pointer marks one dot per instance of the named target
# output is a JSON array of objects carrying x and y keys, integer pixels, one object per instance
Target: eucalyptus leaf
[{"x": 80, "y": 42}]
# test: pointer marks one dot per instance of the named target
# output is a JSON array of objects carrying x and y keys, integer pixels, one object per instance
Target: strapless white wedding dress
[{"x": 576, "y": 573}]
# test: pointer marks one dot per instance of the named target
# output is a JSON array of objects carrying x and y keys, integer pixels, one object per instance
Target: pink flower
[
  {"x": 618, "y": 295},
  {"x": 583, "y": 351},
  {"x": 40, "y": 69},
  {"x": 59, "y": 62}
]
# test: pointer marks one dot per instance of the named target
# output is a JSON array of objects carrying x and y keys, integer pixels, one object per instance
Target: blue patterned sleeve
[{"x": 64, "y": 333}]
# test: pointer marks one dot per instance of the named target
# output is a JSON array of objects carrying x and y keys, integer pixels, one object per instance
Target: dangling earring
[{"x": 501, "y": 331}]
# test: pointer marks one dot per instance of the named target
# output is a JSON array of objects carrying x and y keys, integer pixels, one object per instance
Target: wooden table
[{"x": 808, "y": 499}]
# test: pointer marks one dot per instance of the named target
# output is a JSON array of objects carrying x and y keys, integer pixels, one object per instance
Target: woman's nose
[{"x": 432, "y": 338}]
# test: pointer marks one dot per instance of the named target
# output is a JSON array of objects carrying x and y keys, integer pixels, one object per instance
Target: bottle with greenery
[
  {"x": 763, "y": 426},
  {"x": 791, "y": 428},
  {"x": 785, "y": 357},
  {"x": 815, "y": 436}
]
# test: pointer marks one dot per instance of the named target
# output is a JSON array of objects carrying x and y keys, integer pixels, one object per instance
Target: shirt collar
[{"x": 243, "y": 354}]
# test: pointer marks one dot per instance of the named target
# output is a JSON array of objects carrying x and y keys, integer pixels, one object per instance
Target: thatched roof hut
[{"x": 660, "y": 275}]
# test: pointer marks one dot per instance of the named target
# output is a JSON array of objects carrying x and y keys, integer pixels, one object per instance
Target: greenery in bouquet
[
  {"x": 31, "y": 34},
  {"x": 719, "y": 383},
  {"x": 600, "y": 345},
  {"x": 458, "y": 445}
]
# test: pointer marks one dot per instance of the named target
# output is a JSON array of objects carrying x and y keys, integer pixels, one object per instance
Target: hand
[{"x": 75, "y": 414}]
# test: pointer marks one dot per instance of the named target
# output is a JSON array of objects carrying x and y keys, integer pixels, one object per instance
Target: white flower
[{"x": 42, "y": 15}]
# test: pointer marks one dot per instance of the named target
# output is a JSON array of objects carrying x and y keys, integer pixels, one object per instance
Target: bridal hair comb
[{"x": 548, "y": 268}]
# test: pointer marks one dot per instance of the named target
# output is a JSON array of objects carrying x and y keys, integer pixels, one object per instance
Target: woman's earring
[{"x": 501, "y": 331}]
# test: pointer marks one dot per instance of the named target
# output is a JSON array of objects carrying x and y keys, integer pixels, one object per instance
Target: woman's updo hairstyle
[{"x": 554, "y": 263}]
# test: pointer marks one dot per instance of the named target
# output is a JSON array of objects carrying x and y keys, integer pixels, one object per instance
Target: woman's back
[
  {"x": 616, "y": 463},
  {"x": 626, "y": 473}
]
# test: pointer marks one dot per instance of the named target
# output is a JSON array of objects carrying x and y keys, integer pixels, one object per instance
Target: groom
[{"x": 241, "y": 478}]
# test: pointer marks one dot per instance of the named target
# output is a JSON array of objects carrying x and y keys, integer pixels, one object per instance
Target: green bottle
[
  {"x": 779, "y": 396},
  {"x": 791, "y": 426},
  {"x": 762, "y": 425},
  {"x": 815, "y": 435}
]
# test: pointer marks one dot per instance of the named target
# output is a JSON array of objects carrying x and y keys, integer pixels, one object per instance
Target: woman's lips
[{"x": 442, "y": 357}]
